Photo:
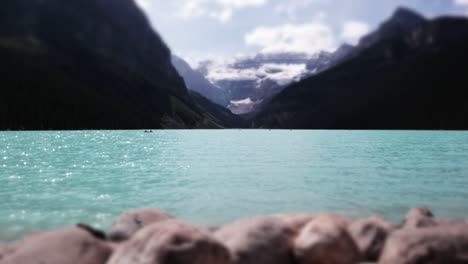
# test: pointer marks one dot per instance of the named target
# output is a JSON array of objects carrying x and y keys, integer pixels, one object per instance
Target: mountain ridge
[
  {"x": 78, "y": 65},
  {"x": 405, "y": 80}
]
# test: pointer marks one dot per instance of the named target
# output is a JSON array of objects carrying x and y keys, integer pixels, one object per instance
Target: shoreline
[{"x": 150, "y": 235}]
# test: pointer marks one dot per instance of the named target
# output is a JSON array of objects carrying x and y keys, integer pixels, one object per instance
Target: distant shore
[{"x": 150, "y": 235}]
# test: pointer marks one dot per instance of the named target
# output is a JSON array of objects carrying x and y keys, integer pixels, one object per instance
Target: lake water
[{"x": 52, "y": 179}]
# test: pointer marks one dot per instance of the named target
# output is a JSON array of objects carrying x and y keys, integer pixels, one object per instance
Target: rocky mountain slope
[
  {"x": 195, "y": 81},
  {"x": 409, "y": 74},
  {"x": 78, "y": 65}
]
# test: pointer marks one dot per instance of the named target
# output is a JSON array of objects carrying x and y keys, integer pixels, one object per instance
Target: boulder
[
  {"x": 432, "y": 245},
  {"x": 370, "y": 236},
  {"x": 297, "y": 221},
  {"x": 419, "y": 217},
  {"x": 258, "y": 240},
  {"x": 67, "y": 245},
  {"x": 325, "y": 240},
  {"x": 133, "y": 220},
  {"x": 5, "y": 250},
  {"x": 93, "y": 231},
  {"x": 171, "y": 242}
]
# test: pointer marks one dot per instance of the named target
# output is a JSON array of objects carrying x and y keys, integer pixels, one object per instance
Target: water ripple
[{"x": 51, "y": 179}]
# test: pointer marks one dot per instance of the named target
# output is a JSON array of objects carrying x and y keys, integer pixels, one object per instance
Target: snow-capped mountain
[
  {"x": 250, "y": 80},
  {"x": 243, "y": 83}
]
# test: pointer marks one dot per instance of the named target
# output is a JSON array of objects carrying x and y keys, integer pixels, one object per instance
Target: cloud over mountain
[
  {"x": 353, "y": 30},
  {"x": 309, "y": 38},
  {"x": 221, "y": 10}
]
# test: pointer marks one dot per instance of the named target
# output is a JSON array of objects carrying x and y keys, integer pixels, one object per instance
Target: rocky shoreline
[{"x": 152, "y": 236}]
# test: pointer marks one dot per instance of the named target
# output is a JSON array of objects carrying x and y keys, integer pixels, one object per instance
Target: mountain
[
  {"x": 218, "y": 113},
  {"x": 409, "y": 74},
  {"x": 403, "y": 21},
  {"x": 77, "y": 64},
  {"x": 195, "y": 81},
  {"x": 250, "y": 81},
  {"x": 326, "y": 60}
]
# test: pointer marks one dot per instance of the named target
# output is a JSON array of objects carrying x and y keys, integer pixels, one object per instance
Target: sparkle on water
[{"x": 52, "y": 179}]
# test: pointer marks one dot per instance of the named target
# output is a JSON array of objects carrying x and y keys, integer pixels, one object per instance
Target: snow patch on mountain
[{"x": 247, "y": 81}]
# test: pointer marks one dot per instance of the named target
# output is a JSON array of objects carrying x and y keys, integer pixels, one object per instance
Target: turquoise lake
[{"x": 52, "y": 179}]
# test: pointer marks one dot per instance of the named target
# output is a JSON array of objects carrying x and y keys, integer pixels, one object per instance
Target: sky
[{"x": 219, "y": 29}]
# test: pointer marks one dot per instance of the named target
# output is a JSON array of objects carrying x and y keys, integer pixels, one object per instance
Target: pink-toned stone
[
  {"x": 133, "y": 220},
  {"x": 422, "y": 217},
  {"x": 5, "y": 250},
  {"x": 325, "y": 240},
  {"x": 258, "y": 240},
  {"x": 297, "y": 221},
  {"x": 419, "y": 217},
  {"x": 67, "y": 245},
  {"x": 171, "y": 242},
  {"x": 432, "y": 245},
  {"x": 370, "y": 236}
]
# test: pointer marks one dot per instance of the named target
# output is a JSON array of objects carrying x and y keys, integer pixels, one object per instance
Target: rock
[
  {"x": 370, "y": 236},
  {"x": 258, "y": 240},
  {"x": 133, "y": 220},
  {"x": 325, "y": 240},
  {"x": 93, "y": 231},
  {"x": 432, "y": 245},
  {"x": 296, "y": 221},
  {"x": 5, "y": 250},
  {"x": 419, "y": 217},
  {"x": 171, "y": 242},
  {"x": 67, "y": 245},
  {"x": 213, "y": 228},
  {"x": 450, "y": 222}
]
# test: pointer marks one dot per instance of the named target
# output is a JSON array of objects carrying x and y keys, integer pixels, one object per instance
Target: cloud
[
  {"x": 461, "y": 2},
  {"x": 292, "y": 8},
  {"x": 221, "y": 10},
  {"x": 144, "y": 4},
  {"x": 352, "y": 31},
  {"x": 309, "y": 38},
  {"x": 241, "y": 3}
]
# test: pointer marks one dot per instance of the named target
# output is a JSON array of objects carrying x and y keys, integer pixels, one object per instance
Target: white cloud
[
  {"x": 223, "y": 15},
  {"x": 292, "y": 8},
  {"x": 283, "y": 74},
  {"x": 461, "y": 2},
  {"x": 194, "y": 8},
  {"x": 242, "y": 3},
  {"x": 353, "y": 30},
  {"x": 223, "y": 71},
  {"x": 308, "y": 38},
  {"x": 221, "y": 10},
  {"x": 143, "y": 3}
]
